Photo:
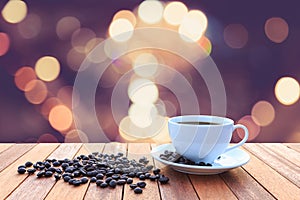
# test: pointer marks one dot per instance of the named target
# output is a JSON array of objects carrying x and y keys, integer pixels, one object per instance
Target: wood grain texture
[
  {"x": 179, "y": 186},
  {"x": 39, "y": 187},
  {"x": 244, "y": 186},
  {"x": 63, "y": 190},
  {"x": 10, "y": 155},
  {"x": 5, "y": 146},
  {"x": 9, "y": 177},
  {"x": 279, "y": 164},
  {"x": 137, "y": 151},
  {"x": 108, "y": 193},
  {"x": 211, "y": 187},
  {"x": 276, "y": 184},
  {"x": 284, "y": 152},
  {"x": 295, "y": 146}
]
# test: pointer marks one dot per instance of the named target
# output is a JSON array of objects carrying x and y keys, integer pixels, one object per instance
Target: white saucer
[{"x": 229, "y": 160}]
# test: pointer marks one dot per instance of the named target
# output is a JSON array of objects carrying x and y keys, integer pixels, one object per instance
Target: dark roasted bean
[
  {"x": 99, "y": 176},
  {"x": 71, "y": 181},
  {"x": 40, "y": 174},
  {"x": 93, "y": 179},
  {"x": 152, "y": 177},
  {"x": 133, "y": 185},
  {"x": 156, "y": 171},
  {"x": 56, "y": 164},
  {"x": 48, "y": 173},
  {"x": 58, "y": 170},
  {"x": 142, "y": 177},
  {"x": 31, "y": 171},
  {"x": 47, "y": 164},
  {"x": 138, "y": 190},
  {"x": 129, "y": 180},
  {"x": 115, "y": 176},
  {"x": 109, "y": 173},
  {"x": 147, "y": 175},
  {"x": 76, "y": 173},
  {"x": 107, "y": 180},
  {"x": 138, "y": 174},
  {"x": 98, "y": 182},
  {"x": 76, "y": 182},
  {"x": 103, "y": 185},
  {"x": 84, "y": 180},
  {"x": 21, "y": 170},
  {"x": 141, "y": 184},
  {"x": 57, "y": 177},
  {"x": 28, "y": 164},
  {"x": 163, "y": 179},
  {"x": 21, "y": 166},
  {"x": 52, "y": 169},
  {"x": 131, "y": 174},
  {"x": 112, "y": 183},
  {"x": 64, "y": 165},
  {"x": 67, "y": 178},
  {"x": 121, "y": 182}
]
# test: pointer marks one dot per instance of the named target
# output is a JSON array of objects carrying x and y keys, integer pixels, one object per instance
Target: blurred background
[{"x": 255, "y": 45}]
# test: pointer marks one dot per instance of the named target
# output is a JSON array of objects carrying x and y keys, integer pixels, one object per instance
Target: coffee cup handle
[{"x": 243, "y": 140}]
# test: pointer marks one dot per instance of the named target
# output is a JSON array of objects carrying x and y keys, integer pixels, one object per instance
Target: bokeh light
[
  {"x": 151, "y": 11},
  {"x": 174, "y": 12},
  {"x": 23, "y": 76},
  {"x": 76, "y": 136},
  {"x": 74, "y": 59},
  {"x": 252, "y": 127},
  {"x": 142, "y": 114},
  {"x": 145, "y": 65},
  {"x": 287, "y": 90},
  {"x": 48, "y": 105},
  {"x": 142, "y": 91},
  {"x": 66, "y": 26},
  {"x": 30, "y": 27},
  {"x": 36, "y": 91},
  {"x": 14, "y": 11},
  {"x": 125, "y": 14},
  {"x": 193, "y": 26},
  {"x": 90, "y": 45},
  {"x": 263, "y": 113},
  {"x": 60, "y": 118},
  {"x": 120, "y": 30},
  {"x": 4, "y": 43},
  {"x": 80, "y": 38},
  {"x": 235, "y": 36},
  {"x": 276, "y": 29},
  {"x": 47, "y": 68}
]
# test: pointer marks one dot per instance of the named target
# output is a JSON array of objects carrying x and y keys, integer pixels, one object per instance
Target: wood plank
[
  {"x": 244, "y": 186},
  {"x": 5, "y": 146},
  {"x": 9, "y": 177},
  {"x": 282, "y": 166},
  {"x": 285, "y": 152},
  {"x": 179, "y": 186},
  {"x": 12, "y": 154},
  {"x": 108, "y": 193},
  {"x": 276, "y": 184},
  {"x": 62, "y": 190},
  {"x": 41, "y": 186},
  {"x": 137, "y": 151},
  {"x": 295, "y": 146},
  {"x": 211, "y": 187}
]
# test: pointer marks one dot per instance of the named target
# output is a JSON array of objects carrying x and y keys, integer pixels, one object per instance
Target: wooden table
[{"x": 272, "y": 173}]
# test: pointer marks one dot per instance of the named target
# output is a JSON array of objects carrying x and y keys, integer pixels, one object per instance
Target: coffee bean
[
  {"x": 133, "y": 185},
  {"x": 57, "y": 177},
  {"x": 98, "y": 182},
  {"x": 156, "y": 171},
  {"x": 129, "y": 180},
  {"x": 121, "y": 182},
  {"x": 93, "y": 179},
  {"x": 141, "y": 184},
  {"x": 138, "y": 190},
  {"x": 48, "y": 173},
  {"x": 21, "y": 170},
  {"x": 142, "y": 177},
  {"x": 99, "y": 176},
  {"x": 71, "y": 181},
  {"x": 103, "y": 185},
  {"x": 152, "y": 177},
  {"x": 115, "y": 176},
  {"x": 84, "y": 180},
  {"x": 40, "y": 174},
  {"x": 76, "y": 182},
  {"x": 112, "y": 183},
  {"x": 28, "y": 164},
  {"x": 31, "y": 171},
  {"x": 163, "y": 179},
  {"x": 21, "y": 166},
  {"x": 131, "y": 174},
  {"x": 56, "y": 164},
  {"x": 67, "y": 178}
]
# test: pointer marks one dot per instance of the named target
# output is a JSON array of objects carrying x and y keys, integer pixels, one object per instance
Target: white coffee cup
[{"x": 203, "y": 142}]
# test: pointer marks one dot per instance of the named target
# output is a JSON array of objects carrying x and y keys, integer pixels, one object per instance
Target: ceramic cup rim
[{"x": 222, "y": 121}]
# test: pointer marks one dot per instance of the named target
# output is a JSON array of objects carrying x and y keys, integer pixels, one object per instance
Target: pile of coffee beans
[
  {"x": 105, "y": 170},
  {"x": 172, "y": 156}
]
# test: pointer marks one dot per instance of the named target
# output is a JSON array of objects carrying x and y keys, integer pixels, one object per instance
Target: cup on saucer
[{"x": 202, "y": 138}]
